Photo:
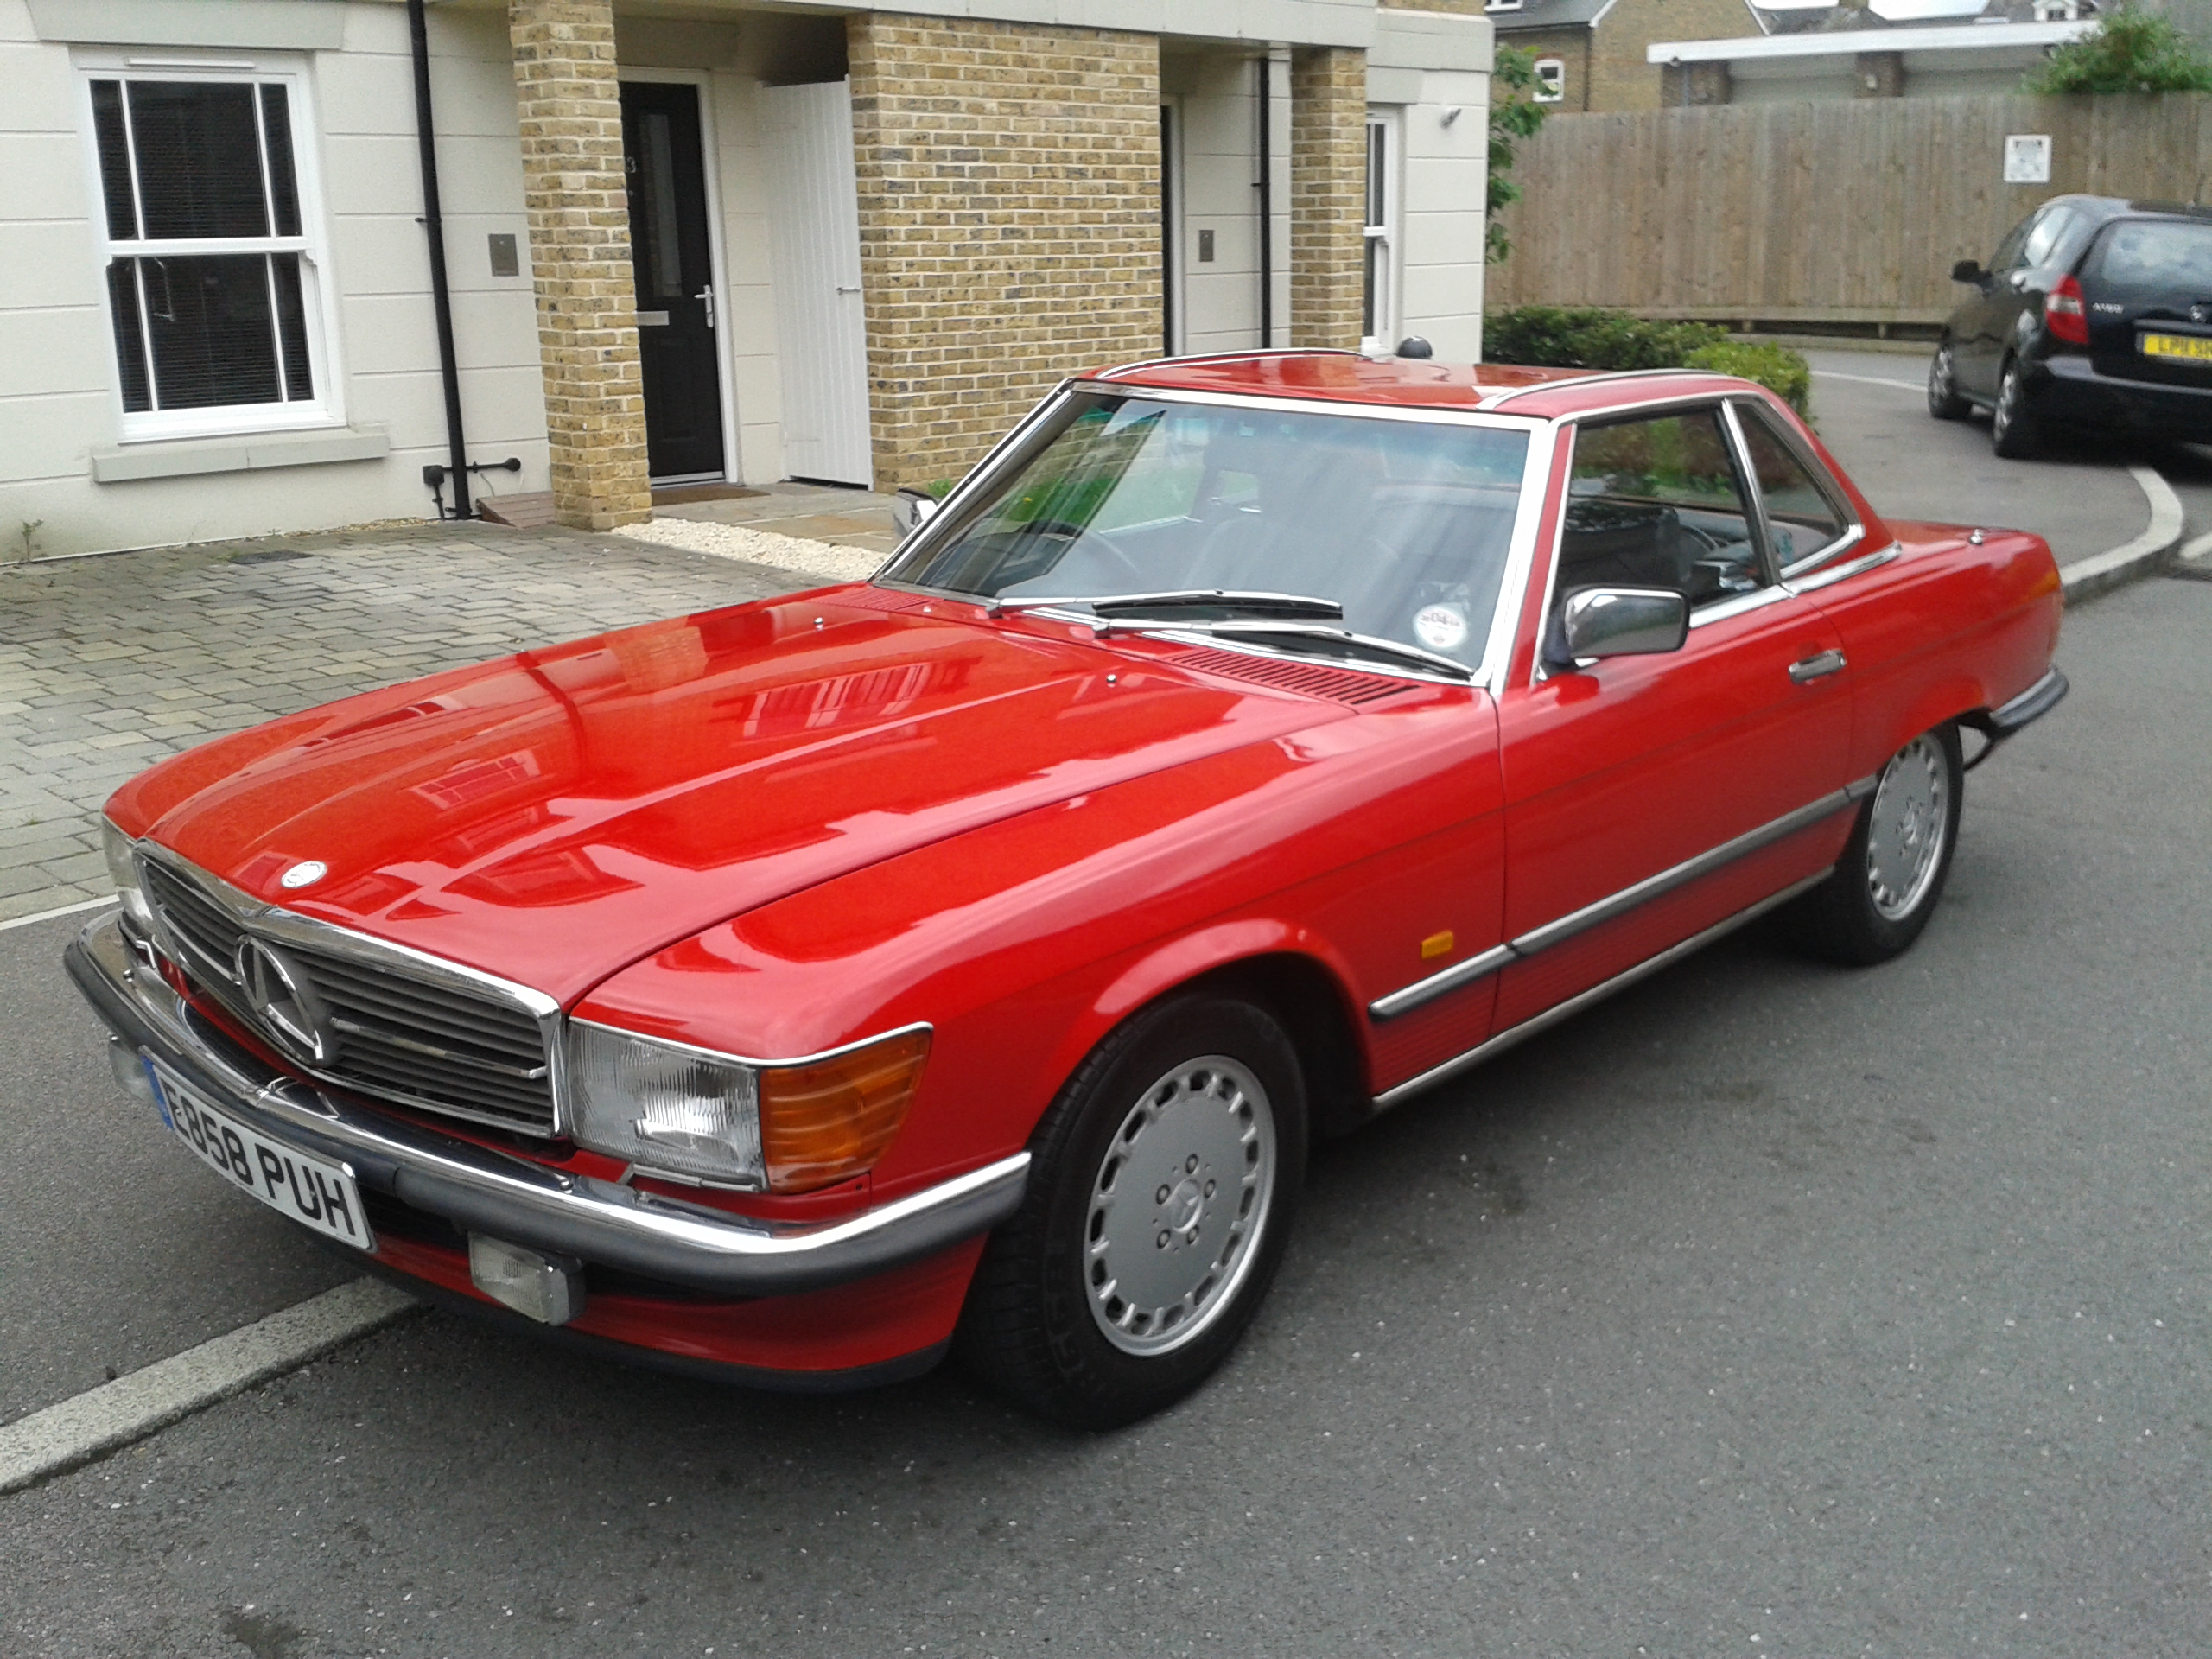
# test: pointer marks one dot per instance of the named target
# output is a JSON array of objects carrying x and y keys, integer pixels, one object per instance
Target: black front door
[{"x": 675, "y": 279}]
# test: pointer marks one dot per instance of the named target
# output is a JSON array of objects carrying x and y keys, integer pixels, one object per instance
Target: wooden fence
[{"x": 1815, "y": 211}]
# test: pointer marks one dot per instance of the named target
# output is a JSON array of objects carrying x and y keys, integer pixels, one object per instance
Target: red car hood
[{"x": 555, "y": 816}]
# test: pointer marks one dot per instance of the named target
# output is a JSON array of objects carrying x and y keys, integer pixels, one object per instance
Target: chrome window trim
[
  {"x": 1823, "y": 480},
  {"x": 1720, "y": 610},
  {"x": 1488, "y": 674},
  {"x": 1574, "y": 1005},
  {"x": 1835, "y": 572},
  {"x": 283, "y": 925},
  {"x": 1558, "y": 931}
]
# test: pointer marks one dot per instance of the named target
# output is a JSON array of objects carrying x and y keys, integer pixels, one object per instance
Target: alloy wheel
[{"x": 1906, "y": 828}]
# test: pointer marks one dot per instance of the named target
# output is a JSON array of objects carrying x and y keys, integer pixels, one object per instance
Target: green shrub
[
  {"x": 1589, "y": 337},
  {"x": 1781, "y": 371},
  {"x": 2128, "y": 51}
]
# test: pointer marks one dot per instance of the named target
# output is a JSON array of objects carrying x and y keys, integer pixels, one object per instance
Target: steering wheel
[{"x": 1082, "y": 539}]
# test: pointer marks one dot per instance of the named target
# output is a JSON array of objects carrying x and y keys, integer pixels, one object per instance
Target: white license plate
[{"x": 312, "y": 1192}]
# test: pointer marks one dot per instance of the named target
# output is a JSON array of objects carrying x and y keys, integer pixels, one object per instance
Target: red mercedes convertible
[{"x": 969, "y": 959}]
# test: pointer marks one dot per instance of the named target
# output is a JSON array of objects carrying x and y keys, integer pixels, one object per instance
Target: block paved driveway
[{"x": 109, "y": 664}]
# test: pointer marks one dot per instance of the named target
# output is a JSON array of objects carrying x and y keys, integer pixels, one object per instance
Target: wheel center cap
[{"x": 1183, "y": 1206}]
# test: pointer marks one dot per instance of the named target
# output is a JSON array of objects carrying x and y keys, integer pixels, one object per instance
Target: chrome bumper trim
[{"x": 524, "y": 1203}]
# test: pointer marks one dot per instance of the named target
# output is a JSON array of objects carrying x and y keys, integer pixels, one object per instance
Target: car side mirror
[
  {"x": 911, "y": 509},
  {"x": 1595, "y": 622},
  {"x": 1967, "y": 270}
]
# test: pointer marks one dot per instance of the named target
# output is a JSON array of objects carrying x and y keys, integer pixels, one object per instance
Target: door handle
[
  {"x": 1818, "y": 666},
  {"x": 854, "y": 288},
  {"x": 708, "y": 294}
]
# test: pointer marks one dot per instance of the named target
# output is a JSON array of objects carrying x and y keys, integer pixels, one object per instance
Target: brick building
[
  {"x": 242, "y": 291},
  {"x": 1591, "y": 54}
]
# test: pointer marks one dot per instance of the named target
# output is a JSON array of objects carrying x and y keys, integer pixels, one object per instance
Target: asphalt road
[{"x": 1766, "y": 1309}]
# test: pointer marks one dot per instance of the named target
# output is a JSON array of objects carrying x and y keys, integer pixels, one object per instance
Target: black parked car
[{"x": 2095, "y": 312}]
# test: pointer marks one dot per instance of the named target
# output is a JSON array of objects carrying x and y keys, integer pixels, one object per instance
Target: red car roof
[{"x": 1349, "y": 378}]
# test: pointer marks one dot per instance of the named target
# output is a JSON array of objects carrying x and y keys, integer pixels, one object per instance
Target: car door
[
  {"x": 1648, "y": 797},
  {"x": 2009, "y": 290}
]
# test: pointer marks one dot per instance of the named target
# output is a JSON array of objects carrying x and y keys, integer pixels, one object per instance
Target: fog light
[
  {"x": 547, "y": 1289},
  {"x": 130, "y": 1071}
]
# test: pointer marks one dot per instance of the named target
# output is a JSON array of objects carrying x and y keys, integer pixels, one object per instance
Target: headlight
[
  {"x": 123, "y": 869},
  {"x": 792, "y": 1127}
]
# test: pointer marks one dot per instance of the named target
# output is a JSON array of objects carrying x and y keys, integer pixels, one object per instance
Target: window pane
[
  {"x": 1802, "y": 518},
  {"x": 199, "y": 159},
  {"x": 213, "y": 341},
  {"x": 284, "y": 187},
  {"x": 129, "y": 339},
  {"x": 1378, "y": 161},
  {"x": 115, "y": 161},
  {"x": 1654, "y": 503},
  {"x": 292, "y": 327}
]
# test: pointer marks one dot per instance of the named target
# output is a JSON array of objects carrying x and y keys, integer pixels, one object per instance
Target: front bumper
[{"x": 480, "y": 1191}]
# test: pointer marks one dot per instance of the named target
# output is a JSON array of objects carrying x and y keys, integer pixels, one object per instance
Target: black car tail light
[{"x": 2064, "y": 313}]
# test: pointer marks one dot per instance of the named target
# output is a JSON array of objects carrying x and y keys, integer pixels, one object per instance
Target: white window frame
[
  {"x": 1501, "y": 5},
  {"x": 1550, "y": 89},
  {"x": 1389, "y": 122},
  {"x": 317, "y": 293}
]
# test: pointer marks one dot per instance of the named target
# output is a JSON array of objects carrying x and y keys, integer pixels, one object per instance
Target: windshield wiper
[
  {"x": 1181, "y": 599},
  {"x": 1295, "y": 634}
]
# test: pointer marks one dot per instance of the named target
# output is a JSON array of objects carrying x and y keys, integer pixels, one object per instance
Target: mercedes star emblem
[
  {"x": 284, "y": 999},
  {"x": 305, "y": 874}
]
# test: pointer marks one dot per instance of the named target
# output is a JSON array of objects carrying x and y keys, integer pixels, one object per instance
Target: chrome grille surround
[{"x": 405, "y": 1026}]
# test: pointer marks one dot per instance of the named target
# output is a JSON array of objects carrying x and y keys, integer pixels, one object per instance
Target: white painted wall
[
  {"x": 1444, "y": 183},
  {"x": 59, "y": 397}
]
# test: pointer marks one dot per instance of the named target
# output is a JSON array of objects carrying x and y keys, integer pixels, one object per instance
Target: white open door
[{"x": 815, "y": 218}]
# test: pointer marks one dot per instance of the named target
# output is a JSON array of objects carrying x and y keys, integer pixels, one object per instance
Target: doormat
[{"x": 670, "y": 495}]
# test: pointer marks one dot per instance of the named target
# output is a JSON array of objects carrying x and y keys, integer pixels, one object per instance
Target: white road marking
[
  {"x": 2192, "y": 551},
  {"x": 2115, "y": 565},
  {"x": 1869, "y": 380},
  {"x": 59, "y": 910},
  {"x": 105, "y": 1419}
]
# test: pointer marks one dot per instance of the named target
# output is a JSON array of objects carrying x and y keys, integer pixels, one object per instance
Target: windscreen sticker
[{"x": 1440, "y": 627}]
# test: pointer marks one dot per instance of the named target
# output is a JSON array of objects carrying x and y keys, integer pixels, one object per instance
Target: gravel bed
[{"x": 823, "y": 559}]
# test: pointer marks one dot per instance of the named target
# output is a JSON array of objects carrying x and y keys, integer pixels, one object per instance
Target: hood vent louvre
[{"x": 1309, "y": 679}]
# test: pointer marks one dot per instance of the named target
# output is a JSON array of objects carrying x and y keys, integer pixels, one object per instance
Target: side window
[
  {"x": 2007, "y": 256},
  {"x": 2044, "y": 236},
  {"x": 1803, "y": 516},
  {"x": 1655, "y": 503}
]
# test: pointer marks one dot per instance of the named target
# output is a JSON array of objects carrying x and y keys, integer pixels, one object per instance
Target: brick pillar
[
  {"x": 1878, "y": 75},
  {"x": 1328, "y": 194},
  {"x": 1009, "y": 205},
  {"x": 573, "y": 183}
]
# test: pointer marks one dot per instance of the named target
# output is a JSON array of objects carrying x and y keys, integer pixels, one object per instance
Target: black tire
[
  {"x": 1035, "y": 1328},
  {"x": 1859, "y": 916},
  {"x": 1944, "y": 401},
  {"x": 2013, "y": 433}
]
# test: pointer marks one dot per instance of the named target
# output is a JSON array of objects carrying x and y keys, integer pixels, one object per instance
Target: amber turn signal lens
[{"x": 829, "y": 1120}]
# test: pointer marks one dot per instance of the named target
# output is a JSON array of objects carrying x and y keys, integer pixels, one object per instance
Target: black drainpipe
[
  {"x": 440, "y": 295},
  {"x": 1267, "y": 202}
]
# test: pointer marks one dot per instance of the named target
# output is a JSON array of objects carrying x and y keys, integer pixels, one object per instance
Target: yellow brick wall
[
  {"x": 1328, "y": 195},
  {"x": 1570, "y": 46},
  {"x": 1619, "y": 77},
  {"x": 1010, "y": 208},
  {"x": 571, "y": 111}
]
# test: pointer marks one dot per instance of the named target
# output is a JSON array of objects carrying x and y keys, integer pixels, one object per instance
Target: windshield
[{"x": 1403, "y": 523}]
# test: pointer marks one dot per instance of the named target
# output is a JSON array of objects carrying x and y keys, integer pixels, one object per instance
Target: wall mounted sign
[{"x": 2027, "y": 158}]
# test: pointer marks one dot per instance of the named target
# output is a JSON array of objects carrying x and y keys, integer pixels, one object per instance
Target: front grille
[{"x": 393, "y": 1028}]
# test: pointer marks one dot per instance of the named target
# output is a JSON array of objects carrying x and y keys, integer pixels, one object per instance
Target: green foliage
[
  {"x": 939, "y": 487},
  {"x": 1588, "y": 337},
  {"x": 1514, "y": 115},
  {"x": 1591, "y": 338},
  {"x": 1781, "y": 371},
  {"x": 2129, "y": 52}
]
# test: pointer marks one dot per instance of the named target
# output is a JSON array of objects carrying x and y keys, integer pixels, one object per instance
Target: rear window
[{"x": 2155, "y": 256}]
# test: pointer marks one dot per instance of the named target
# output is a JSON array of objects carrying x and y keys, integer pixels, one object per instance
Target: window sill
[{"x": 243, "y": 452}]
